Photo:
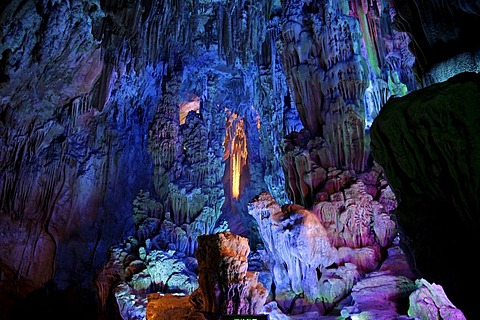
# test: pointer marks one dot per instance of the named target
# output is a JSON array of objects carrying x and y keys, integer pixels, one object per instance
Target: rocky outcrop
[
  {"x": 430, "y": 301},
  {"x": 342, "y": 257},
  {"x": 136, "y": 269},
  {"x": 293, "y": 227},
  {"x": 427, "y": 142},
  {"x": 325, "y": 250},
  {"x": 170, "y": 306},
  {"x": 226, "y": 287},
  {"x": 433, "y": 136}
]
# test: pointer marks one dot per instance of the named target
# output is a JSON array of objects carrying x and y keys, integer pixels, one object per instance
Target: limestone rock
[
  {"x": 439, "y": 33},
  {"x": 428, "y": 144},
  {"x": 430, "y": 302},
  {"x": 297, "y": 241},
  {"x": 328, "y": 76},
  {"x": 225, "y": 285}
]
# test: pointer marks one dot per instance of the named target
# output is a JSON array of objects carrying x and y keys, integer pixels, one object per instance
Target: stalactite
[
  {"x": 164, "y": 141},
  {"x": 330, "y": 45},
  {"x": 80, "y": 106},
  {"x": 235, "y": 146},
  {"x": 185, "y": 205},
  {"x": 28, "y": 145}
]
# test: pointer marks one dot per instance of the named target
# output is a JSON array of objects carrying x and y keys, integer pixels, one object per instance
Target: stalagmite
[{"x": 226, "y": 287}]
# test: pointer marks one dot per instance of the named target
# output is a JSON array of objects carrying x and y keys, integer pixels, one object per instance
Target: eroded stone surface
[{"x": 433, "y": 136}]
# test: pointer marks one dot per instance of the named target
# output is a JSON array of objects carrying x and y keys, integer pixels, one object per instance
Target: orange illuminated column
[{"x": 235, "y": 146}]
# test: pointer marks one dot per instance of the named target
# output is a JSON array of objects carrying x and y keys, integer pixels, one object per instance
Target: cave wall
[
  {"x": 70, "y": 130},
  {"x": 441, "y": 33},
  {"x": 342, "y": 62},
  {"x": 427, "y": 142}
]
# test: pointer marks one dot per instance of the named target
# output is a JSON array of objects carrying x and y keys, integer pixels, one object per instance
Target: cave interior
[{"x": 275, "y": 159}]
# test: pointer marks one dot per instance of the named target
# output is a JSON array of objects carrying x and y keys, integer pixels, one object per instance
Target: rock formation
[
  {"x": 314, "y": 248},
  {"x": 433, "y": 135},
  {"x": 118, "y": 149},
  {"x": 225, "y": 284},
  {"x": 440, "y": 37},
  {"x": 226, "y": 287},
  {"x": 320, "y": 50},
  {"x": 342, "y": 257}
]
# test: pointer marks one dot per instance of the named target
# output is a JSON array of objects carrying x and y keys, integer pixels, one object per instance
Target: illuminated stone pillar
[{"x": 235, "y": 146}]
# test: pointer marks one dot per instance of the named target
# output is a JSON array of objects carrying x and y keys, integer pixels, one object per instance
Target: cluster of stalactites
[
  {"x": 164, "y": 138},
  {"x": 240, "y": 27},
  {"x": 328, "y": 78},
  {"x": 235, "y": 146},
  {"x": 156, "y": 30}
]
